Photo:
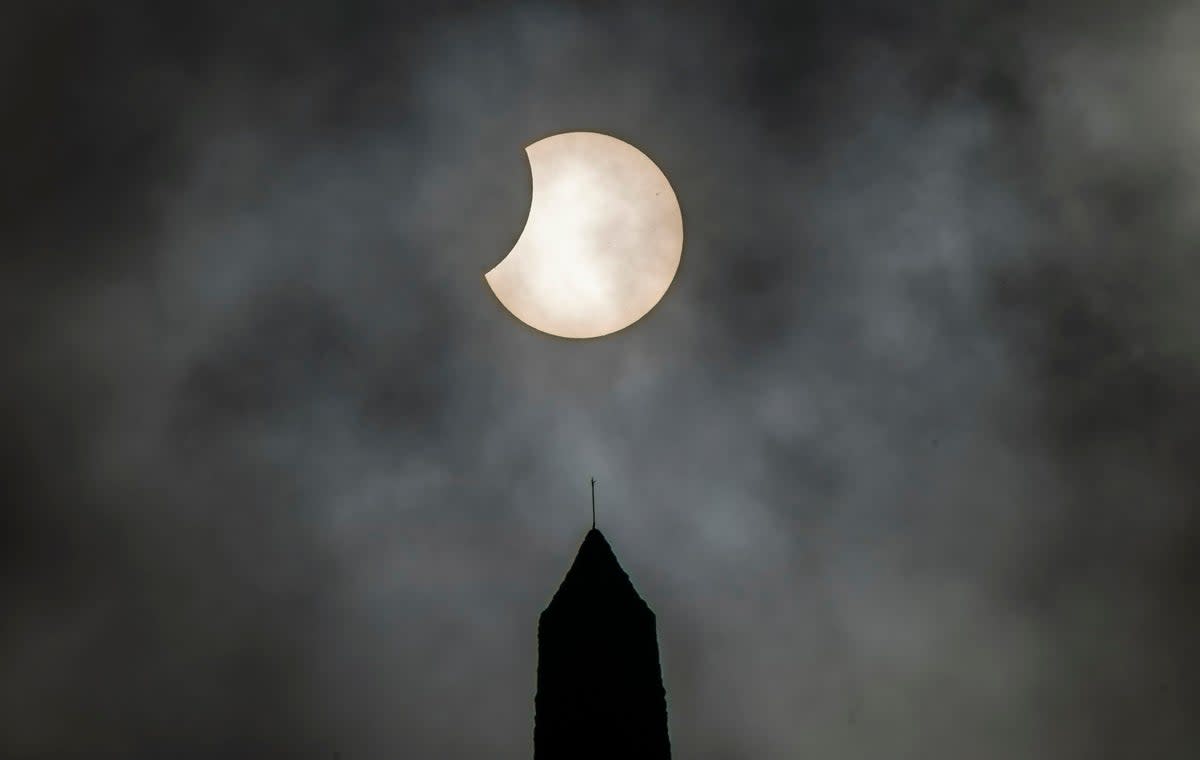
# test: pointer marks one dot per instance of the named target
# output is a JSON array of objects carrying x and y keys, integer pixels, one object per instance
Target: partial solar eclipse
[{"x": 602, "y": 242}]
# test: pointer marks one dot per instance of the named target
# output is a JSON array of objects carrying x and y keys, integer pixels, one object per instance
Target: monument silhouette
[{"x": 599, "y": 685}]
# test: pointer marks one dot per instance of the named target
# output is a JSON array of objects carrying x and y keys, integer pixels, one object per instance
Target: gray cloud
[{"x": 902, "y": 460}]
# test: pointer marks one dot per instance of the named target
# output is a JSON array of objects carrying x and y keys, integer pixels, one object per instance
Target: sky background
[{"x": 904, "y": 461}]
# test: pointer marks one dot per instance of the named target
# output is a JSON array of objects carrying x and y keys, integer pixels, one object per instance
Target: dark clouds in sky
[{"x": 903, "y": 461}]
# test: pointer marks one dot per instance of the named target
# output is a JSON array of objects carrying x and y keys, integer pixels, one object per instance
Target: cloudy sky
[{"x": 903, "y": 461}]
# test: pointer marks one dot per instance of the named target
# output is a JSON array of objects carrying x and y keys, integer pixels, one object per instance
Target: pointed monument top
[
  {"x": 596, "y": 578},
  {"x": 600, "y": 693}
]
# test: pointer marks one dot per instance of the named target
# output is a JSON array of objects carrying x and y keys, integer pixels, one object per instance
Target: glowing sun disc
[{"x": 602, "y": 242}]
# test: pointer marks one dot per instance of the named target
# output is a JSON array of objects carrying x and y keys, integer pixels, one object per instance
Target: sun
[{"x": 602, "y": 243}]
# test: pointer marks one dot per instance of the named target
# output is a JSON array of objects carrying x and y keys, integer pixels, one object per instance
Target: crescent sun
[{"x": 602, "y": 242}]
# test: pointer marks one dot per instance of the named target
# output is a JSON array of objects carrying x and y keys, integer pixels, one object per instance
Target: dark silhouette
[{"x": 599, "y": 687}]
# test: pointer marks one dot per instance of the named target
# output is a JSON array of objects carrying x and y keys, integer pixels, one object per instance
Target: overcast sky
[{"x": 904, "y": 461}]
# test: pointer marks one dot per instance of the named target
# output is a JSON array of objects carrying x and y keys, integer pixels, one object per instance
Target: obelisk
[{"x": 599, "y": 686}]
